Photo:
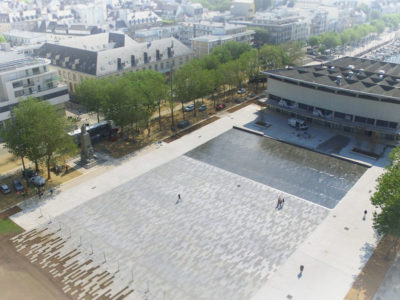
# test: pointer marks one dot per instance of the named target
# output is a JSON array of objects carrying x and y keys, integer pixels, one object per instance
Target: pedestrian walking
[
  {"x": 179, "y": 199},
  {"x": 51, "y": 191},
  {"x": 301, "y": 272},
  {"x": 282, "y": 202},
  {"x": 36, "y": 190},
  {"x": 278, "y": 204},
  {"x": 365, "y": 215}
]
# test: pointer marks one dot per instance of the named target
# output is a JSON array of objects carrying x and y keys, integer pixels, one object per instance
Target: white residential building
[{"x": 26, "y": 76}]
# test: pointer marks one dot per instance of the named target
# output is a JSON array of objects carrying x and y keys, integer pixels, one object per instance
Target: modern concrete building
[
  {"x": 191, "y": 30},
  {"x": 284, "y": 28},
  {"x": 203, "y": 45},
  {"x": 25, "y": 76},
  {"x": 243, "y": 8},
  {"x": 19, "y": 38},
  {"x": 157, "y": 33},
  {"x": 353, "y": 94},
  {"x": 108, "y": 54}
]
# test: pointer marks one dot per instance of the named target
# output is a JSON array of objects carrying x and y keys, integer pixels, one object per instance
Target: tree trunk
[
  {"x": 98, "y": 117},
  {"x": 159, "y": 115},
  {"x": 183, "y": 111},
  {"x": 36, "y": 166},
  {"x": 148, "y": 129},
  {"x": 256, "y": 84},
  {"x": 392, "y": 247},
  {"x": 172, "y": 119},
  {"x": 194, "y": 110},
  {"x": 24, "y": 168},
  {"x": 48, "y": 168}
]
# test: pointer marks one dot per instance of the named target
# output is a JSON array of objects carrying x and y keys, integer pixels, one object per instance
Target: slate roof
[
  {"x": 363, "y": 76},
  {"x": 99, "y": 54}
]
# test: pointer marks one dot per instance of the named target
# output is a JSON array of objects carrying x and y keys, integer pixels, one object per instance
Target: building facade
[
  {"x": 108, "y": 54},
  {"x": 203, "y": 45},
  {"x": 21, "y": 77},
  {"x": 20, "y": 38},
  {"x": 356, "y": 95}
]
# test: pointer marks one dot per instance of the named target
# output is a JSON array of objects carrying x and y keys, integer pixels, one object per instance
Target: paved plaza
[
  {"x": 224, "y": 240},
  {"x": 390, "y": 288}
]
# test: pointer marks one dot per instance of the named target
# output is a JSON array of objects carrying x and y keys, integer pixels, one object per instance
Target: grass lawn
[{"x": 8, "y": 226}]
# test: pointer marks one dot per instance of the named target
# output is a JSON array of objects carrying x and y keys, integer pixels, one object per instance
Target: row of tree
[
  {"x": 36, "y": 131},
  {"x": 131, "y": 99},
  {"x": 333, "y": 39}
]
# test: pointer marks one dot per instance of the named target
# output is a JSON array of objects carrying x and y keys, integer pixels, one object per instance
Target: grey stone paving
[
  {"x": 318, "y": 178},
  {"x": 223, "y": 241},
  {"x": 390, "y": 287}
]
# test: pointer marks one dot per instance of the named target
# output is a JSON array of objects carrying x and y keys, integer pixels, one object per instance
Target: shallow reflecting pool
[{"x": 316, "y": 177}]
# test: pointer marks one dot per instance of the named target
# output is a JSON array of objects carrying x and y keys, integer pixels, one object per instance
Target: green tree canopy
[
  {"x": 314, "y": 41},
  {"x": 92, "y": 93},
  {"x": 41, "y": 132},
  {"x": 2, "y": 39},
  {"x": 387, "y": 198},
  {"x": 261, "y": 37},
  {"x": 330, "y": 39}
]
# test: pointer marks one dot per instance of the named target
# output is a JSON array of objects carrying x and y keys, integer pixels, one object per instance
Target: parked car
[
  {"x": 38, "y": 180},
  {"x": 239, "y": 100},
  {"x": 220, "y": 106},
  {"x": 5, "y": 189},
  {"x": 241, "y": 91},
  {"x": 29, "y": 173},
  {"x": 18, "y": 185},
  {"x": 183, "y": 124},
  {"x": 298, "y": 124},
  {"x": 203, "y": 107},
  {"x": 189, "y": 108}
]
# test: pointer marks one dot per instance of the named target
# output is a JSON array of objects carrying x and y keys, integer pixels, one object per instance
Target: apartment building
[{"x": 26, "y": 76}]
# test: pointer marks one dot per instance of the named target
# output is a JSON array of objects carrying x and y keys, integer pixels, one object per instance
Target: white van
[{"x": 298, "y": 124}]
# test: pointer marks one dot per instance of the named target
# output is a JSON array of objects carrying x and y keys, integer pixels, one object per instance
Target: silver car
[{"x": 38, "y": 180}]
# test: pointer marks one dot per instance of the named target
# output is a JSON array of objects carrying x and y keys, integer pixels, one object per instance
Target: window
[
  {"x": 35, "y": 70},
  {"x": 19, "y": 93},
  {"x": 162, "y": 66},
  {"x": 370, "y": 121},
  {"x": 393, "y": 125},
  {"x": 339, "y": 115},
  {"x": 360, "y": 119},
  {"x": 382, "y": 123},
  {"x": 17, "y": 84},
  {"x": 303, "y": 106}
]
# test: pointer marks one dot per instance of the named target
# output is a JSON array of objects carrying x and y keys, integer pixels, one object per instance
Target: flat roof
[{"x": 358, "y": 75}]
